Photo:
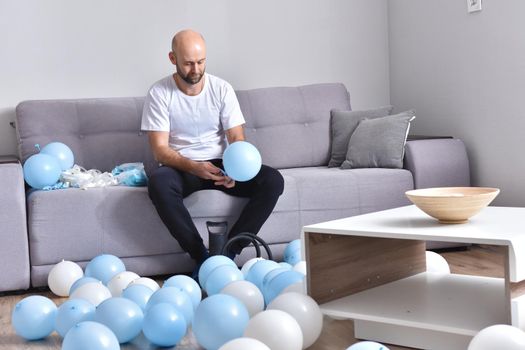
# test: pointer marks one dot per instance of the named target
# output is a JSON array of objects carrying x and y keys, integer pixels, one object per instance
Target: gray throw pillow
[
  {"x": 343, "y": 124},
  {"x": 379, "y": 142}
]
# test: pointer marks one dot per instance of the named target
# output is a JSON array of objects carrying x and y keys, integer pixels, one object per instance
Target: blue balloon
[
  {"x": 277, "y": 284},
  {"x": 81, "y": 281},
  {"x": 41, "y": 170},
  {"x": 220, "y": 277},
  {"x": 104, "y": 267},
  {"x": 210, "y": 264},
  {"x": 286, "y": 265},
  {"x": 270, "y": 275},
  {"x": 367, "y": 345},
  {"x": 139, "y": 294},
  {"x": 173, "y": 295},
  {"x": 219, "y": 319},
  {"x": 259, "y": 270},
  {"x": 89, "y": 335},
  {"x": 292, "y": 252},
  {"x": 72, "y": 312},
  {"x": 61, "y": 152},
  {"x": 164, "y": 325},
  {"x": 187, "y": 284},
  {"x": 122, "y": 316},
  {"x": 242, "y": 161},
  {"x": 34, "y": 317}
]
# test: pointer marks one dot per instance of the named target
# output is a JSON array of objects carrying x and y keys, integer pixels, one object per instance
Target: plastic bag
[
  {"x": 130, "y": 174},
  {"x": 80, "y": 177}
]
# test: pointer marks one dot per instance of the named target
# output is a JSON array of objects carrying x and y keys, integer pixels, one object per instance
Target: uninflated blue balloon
[
  {"x": 61, "y": 152},
  {"x": 139, "y": 294},
  {"x": 104, "y": 267},
  {"x": 242, "y": 161},
  {"x": 210, "y": 264},
  {"x": 173, "y": 295},
  {"x": 72, "y": 312},
  {"x": 122, "y": 316},
  {"x": 164, "y": 325},
  {"x": 89, "y": 335},
  {"x": 34, "y": 317},
  {"x": 41, "y": 170},
  {"x": 367, "y": 345},
  {"x": 221, "y": 276},
  {"x": 219, "y": 319},
  {"x": 187, "y": 284}
]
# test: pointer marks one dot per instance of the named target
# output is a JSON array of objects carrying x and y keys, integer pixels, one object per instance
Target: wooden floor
[{"x": 336, "y": 335}]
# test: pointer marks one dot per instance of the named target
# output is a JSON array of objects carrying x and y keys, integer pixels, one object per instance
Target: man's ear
[{"x": 172, "y": 57}]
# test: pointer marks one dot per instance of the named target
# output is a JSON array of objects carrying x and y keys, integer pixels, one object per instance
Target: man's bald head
[
  {"x": 189, "y": 56},
  {"x": 186, "y": 39}
]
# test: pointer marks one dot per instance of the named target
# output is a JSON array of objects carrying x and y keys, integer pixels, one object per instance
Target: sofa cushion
[
  {"x": 332, "y": 193},
  {"x": 102, "y": 133},
  {"x": 342, "y": 126},
  {"x": 76, "y": 224},
  {"x": 379, "y": 143},
  {"x": 290, "y": 125}
]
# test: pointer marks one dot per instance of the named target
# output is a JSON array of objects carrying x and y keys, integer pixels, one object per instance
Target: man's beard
[{"x": 190, "y": 78}]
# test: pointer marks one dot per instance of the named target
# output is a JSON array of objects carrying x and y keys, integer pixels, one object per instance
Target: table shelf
[{"x": 450, "y": 303}]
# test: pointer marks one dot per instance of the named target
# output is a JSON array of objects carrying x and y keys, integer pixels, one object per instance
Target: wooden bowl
[{"x": 452, "y": 205}]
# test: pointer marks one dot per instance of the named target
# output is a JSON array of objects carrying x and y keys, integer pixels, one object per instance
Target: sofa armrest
[
  {"x": 438, "y": 162},
  {"x": 14, "y": 250}
]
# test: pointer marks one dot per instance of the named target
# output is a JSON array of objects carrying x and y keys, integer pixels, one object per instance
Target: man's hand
[
  {"x": 226, "y": 182},
  {"x": 208, "y": 171}
]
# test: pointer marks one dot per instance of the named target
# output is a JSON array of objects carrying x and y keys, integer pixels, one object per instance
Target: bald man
[{"x": 191, "y": 116}]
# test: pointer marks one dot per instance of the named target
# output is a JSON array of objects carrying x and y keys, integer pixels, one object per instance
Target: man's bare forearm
[{"x": 170, "y": 157}]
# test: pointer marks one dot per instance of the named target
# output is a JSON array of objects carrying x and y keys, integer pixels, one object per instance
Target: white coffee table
[{"x": 372, "y": 269}]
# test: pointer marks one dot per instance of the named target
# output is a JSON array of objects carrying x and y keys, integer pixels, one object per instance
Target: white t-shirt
[{"x": 196, "y": 123}]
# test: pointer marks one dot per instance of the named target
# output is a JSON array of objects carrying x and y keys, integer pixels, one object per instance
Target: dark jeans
[{"x": 168, "y": 187}]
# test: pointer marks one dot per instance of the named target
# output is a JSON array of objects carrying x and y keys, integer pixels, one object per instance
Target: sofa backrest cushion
[
  {"x": 102, "y": 133},
  {"x": 289, "y": 125}
]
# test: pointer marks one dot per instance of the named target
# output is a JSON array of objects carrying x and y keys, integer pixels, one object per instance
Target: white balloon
[
  {"x": 248, "y": 294},
  {"x": 62, "y": 276},
  {"x": 94, "y": 292},
  {"x": 436, "y": 263},
  {"x": 277, "y": 329},
  {"x": 146, "y": 281},
  {"x": 305, "y": 311},
  {"x": 247, "y": 265},
  {"x": 120, "y": 281},
  {"x": 244, "y": 344},
  {"x": 367, "y": 345},
  {"x": 300, "y": 267},
  {"x": 500, "y": 336},
  {"x": 298, "y": 287}
]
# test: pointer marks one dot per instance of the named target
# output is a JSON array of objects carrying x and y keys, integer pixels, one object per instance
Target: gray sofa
[{"x": 290, "y": 127}]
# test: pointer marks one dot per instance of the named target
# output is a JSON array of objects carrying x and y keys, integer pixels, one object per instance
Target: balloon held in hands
[{"x": 242, "y": 161}]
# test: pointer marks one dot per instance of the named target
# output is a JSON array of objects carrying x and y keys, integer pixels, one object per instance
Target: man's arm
[
  {"x": 163, "y": 153},
  {"x": 235, "y": 134}
]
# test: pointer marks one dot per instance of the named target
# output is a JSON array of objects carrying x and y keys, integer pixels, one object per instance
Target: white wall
[
  {"x": 465, "y": 75},
  {"x": 99, "y": 48}
]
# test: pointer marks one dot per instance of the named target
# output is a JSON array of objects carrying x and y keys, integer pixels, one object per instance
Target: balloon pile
[
  {"x": 261, "y": 306},
  {"x": 44, "y": 168}
]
